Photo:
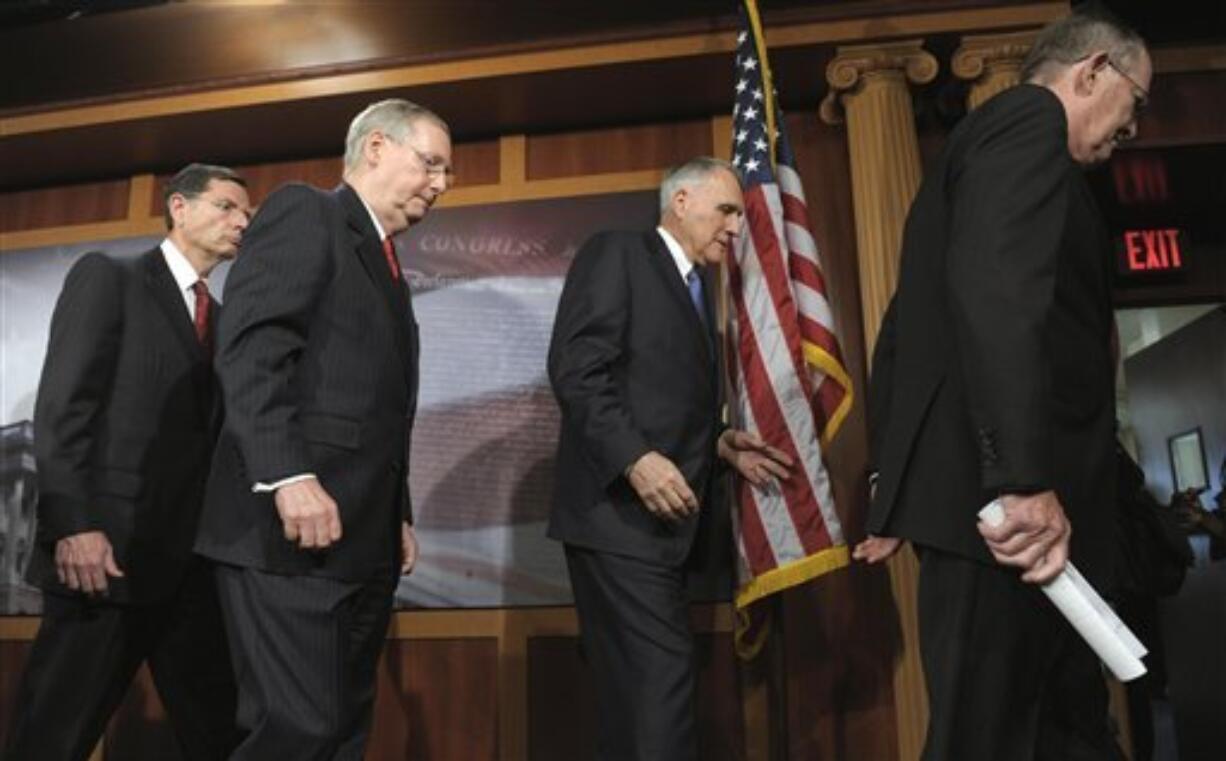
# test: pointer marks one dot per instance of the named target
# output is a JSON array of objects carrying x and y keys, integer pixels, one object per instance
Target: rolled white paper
[{"x": 1108, "y": 636}]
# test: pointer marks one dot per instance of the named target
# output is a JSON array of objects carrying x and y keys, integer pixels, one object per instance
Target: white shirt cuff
[{"x": 260, "y": 488}]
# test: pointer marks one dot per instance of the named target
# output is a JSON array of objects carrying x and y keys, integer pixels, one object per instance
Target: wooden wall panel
[
  {"x": 474, "y": 163},
  {"x": 559, "y": 685},
  {"x": 438, "y": 699},
  {"x": 13, "y": 656},
  {"x": 721, "y": 725},
  {"x": 562, "y": 706},
  {"x": 105, "y": 201},
  {"x": 840, "y": 632},
  {"x": 617, "y": 149},
  {"x": 1180, "y": 112},
  {"x": 262, "y": 179}
]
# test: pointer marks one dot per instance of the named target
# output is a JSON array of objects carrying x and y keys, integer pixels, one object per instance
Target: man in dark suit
[
  {"x": 124, "y": 426},
  {"x": 307, "y": 509},
  {"x": 993, "y": 378},
  {"x": 634, "y": 363}
]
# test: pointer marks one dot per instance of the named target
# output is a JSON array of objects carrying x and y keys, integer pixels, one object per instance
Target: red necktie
[
  {"x": 389, "y": 252},
  {"x": 202, "y": 312}
]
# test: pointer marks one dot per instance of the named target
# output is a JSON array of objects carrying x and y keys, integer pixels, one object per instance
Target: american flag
[{"x": 785, "y": 367}]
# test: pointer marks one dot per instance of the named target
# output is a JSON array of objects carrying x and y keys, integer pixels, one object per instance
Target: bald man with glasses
[{"x": 992, "y": 378}]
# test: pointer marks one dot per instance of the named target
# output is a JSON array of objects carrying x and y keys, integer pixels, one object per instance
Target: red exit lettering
[{"x": 1146, "y": 250}]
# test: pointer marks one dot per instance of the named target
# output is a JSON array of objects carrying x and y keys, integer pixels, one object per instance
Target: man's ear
[
  {"x": 681, "y": 200},
  {"x": 1089, "y": 71},
  {"x": 175, "y": 205},
  {"x": 373, "y": 147}
]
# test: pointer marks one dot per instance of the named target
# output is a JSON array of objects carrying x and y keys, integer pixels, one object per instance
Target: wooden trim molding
[
  {"x": 464, "y": 623},
  {"x": 69, "y": 234},
  {"x": 140, "y": 199},
  {"x": 607, "y": 54},
  {"x": 531, "y": 190}
]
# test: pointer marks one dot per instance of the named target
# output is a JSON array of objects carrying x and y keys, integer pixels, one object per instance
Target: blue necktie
[{"x": 695, "y": 283}]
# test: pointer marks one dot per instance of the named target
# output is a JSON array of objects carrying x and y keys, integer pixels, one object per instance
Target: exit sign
[{"x": 1159, "y": 250}]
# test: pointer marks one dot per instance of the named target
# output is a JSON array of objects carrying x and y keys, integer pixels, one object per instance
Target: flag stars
[
  {"x": 757, "y": 94},
  {"x": 760, "y": 145},
  {"x": 749, "y": 64},
  {"x": 740, "y": 38},
  {"x": 741, "y": 136},
  {"x": 751, "y": 113},
  {"x": 741, "y": 85}
]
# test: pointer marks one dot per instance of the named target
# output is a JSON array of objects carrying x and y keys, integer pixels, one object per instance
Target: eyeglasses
[
  {"x": 1140, "y": 96},
  {"x": 435, "y": 165}
]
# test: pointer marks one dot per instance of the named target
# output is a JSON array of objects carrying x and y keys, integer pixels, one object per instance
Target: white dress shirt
[
  {"x": 184, "y": 273},
  {"x": 684, "y": 265}
]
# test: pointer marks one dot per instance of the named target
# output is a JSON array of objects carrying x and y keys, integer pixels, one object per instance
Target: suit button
[{"x": 987, "y": 446}]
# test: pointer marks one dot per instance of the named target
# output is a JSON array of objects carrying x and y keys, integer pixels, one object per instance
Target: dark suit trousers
[
  {"x": 634, "y": 623},
  {"x": 86, "y": 654},
  {"x": 305, "y": 651},
  {"x": 1008, "y": 678}
]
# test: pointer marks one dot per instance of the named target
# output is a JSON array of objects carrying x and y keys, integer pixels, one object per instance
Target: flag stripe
[
  {"x": 785, "y": 366},
  {"x": 775, "y": 380}
]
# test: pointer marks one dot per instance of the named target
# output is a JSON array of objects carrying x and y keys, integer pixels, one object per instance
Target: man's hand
[
  {"x": 1033, "y": 537},
  {"x": 756, "y": 461},
  {"x": 308, "y": 515},
  {"x": 875, "y": 549},
  {"x": 84, "y": 561},
  {"x": 408, "y": 548},
  {"x": 662, "y": 487},
  {"x": 1187, "y": 509}
]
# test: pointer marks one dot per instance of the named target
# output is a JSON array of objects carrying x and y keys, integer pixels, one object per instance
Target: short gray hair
[
  {"x": 1076, "y": 36},
  {"x": 394, "y": 117},
  {"x": 691, "y": 173}
]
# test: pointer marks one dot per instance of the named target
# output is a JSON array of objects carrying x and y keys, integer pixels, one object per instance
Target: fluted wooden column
[
  {"x": 992, "y": 62},
  {"x": 870, "y": 91}
]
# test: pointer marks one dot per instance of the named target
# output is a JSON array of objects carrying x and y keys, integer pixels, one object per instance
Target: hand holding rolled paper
[{"x": 1103, "y": 631}]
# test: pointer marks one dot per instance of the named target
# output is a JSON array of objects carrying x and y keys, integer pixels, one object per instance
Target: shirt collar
[
  {"x": 373, "y": 219},
  {"x": 684, "y": 265},
  {"x": 181, "y": 269}
]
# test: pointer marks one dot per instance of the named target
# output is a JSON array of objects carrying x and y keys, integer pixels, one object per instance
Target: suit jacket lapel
[
  {"x": 667, "y": 269},
  {"x": 170, "y": 303},
  {"x": 369, "y": 250},
  {"x": 214, "y": 408},
  {"x": 166, "y": 295}
]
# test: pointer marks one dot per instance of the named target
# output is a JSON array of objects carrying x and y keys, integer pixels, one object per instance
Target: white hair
[
  {"x": 394, "y": 117},
  {"x": 691, "y": 173}
]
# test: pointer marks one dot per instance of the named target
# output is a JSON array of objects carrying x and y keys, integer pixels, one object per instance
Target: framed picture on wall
[{"x": 1188, "y": 466}]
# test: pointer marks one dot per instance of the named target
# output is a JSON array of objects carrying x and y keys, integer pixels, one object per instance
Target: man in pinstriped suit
[
  {"x": 124, "y": 426},
  {"x": 307, "y": 509}
]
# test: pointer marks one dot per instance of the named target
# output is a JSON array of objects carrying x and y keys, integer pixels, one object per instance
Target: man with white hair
[
  {"x": 993, "y": 378},
  {"x": 634, "y": 363},
  {"x": 307, "y": 511}
]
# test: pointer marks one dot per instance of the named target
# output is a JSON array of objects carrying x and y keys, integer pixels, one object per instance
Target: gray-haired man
[
  {"x": 307, "y": 510},
  {"x": 634, "y": 363}
]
